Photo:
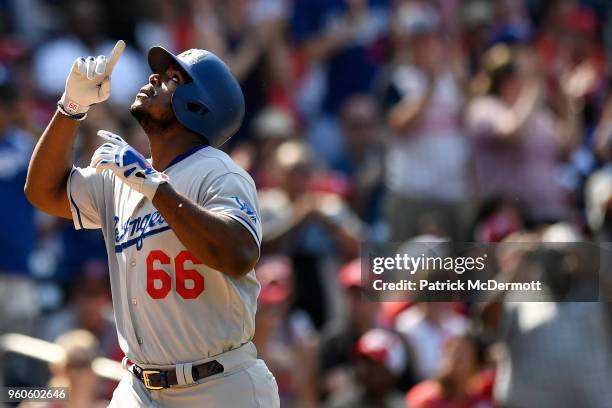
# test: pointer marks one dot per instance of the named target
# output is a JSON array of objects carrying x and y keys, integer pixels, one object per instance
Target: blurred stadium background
[{"x": 367, "y": 120}]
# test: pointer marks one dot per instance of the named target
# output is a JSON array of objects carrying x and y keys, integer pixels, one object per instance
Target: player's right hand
[
  {"x": 88, "y": 82},
  {"x": 127, "y": 164}
]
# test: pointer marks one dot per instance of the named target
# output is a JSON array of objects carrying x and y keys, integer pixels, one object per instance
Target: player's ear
[{"x": 154, "y": 79}]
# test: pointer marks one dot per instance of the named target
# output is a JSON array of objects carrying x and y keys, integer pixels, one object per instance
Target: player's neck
[{"x": 166, "y": 147}]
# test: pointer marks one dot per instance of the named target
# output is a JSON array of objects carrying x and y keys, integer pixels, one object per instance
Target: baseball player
[{"x": 182, "y": 229}]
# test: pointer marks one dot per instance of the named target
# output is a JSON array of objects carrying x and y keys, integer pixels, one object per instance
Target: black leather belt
[{"x": 160, "y": 379}]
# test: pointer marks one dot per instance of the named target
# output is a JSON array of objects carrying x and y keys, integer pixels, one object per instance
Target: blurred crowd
[{"x": 366, "y": 120}]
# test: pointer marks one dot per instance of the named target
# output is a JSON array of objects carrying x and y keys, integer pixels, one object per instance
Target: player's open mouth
[{"x": 145, "y": 92}]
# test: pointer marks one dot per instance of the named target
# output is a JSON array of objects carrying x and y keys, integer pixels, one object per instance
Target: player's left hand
[{"x": 130, "y": 166}]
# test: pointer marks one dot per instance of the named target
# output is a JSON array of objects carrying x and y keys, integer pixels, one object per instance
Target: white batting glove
[
  {"x": 88, "y": 82},
  {"x": 127, "y": 164}
]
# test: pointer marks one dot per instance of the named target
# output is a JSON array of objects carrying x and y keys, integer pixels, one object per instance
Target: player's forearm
[
  {"x": 50, "y": 166},
  {"x": 216, "y": 240}
]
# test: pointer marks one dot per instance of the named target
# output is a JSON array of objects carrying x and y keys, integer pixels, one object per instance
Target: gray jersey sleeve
[
  {"x": 233, "y": 195},
  {"x": 85, "y": 194}
]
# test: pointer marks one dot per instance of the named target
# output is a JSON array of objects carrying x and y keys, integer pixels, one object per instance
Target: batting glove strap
[
  {"x": 65, "y": 112},
  {"x": 150, "y": 183},
  {"x": 70, "y": 107}
]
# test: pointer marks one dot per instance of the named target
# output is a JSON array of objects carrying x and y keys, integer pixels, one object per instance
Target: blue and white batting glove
[{"x": 127, "y": 164}]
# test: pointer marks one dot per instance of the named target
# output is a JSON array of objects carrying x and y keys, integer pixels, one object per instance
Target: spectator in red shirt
[{"x": 457, "y": 384}]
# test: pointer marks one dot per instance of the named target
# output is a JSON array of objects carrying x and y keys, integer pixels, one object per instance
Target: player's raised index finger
[{"x": 114, "y": 57}]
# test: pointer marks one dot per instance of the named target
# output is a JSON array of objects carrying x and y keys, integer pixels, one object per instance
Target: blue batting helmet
[{"x": 212, "y": 105}]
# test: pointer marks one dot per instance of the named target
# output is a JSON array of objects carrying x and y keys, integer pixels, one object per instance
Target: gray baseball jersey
[{"x": 169, "y": 306}]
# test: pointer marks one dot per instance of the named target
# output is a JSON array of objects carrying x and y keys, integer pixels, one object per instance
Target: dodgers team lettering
[{"x": 134, "y": 231}]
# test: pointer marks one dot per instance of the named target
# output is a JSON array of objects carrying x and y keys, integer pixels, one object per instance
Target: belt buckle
[{"x": 147, "y": 381}]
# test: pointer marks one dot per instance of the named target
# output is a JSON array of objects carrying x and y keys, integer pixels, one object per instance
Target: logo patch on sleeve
[{"x": 246, "y": 208}]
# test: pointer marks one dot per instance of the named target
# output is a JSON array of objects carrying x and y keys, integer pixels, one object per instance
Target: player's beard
[{"x": 150, "y": 124}]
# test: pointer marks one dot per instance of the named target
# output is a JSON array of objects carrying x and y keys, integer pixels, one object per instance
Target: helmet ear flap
[{"x": 189, "y": 109}]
